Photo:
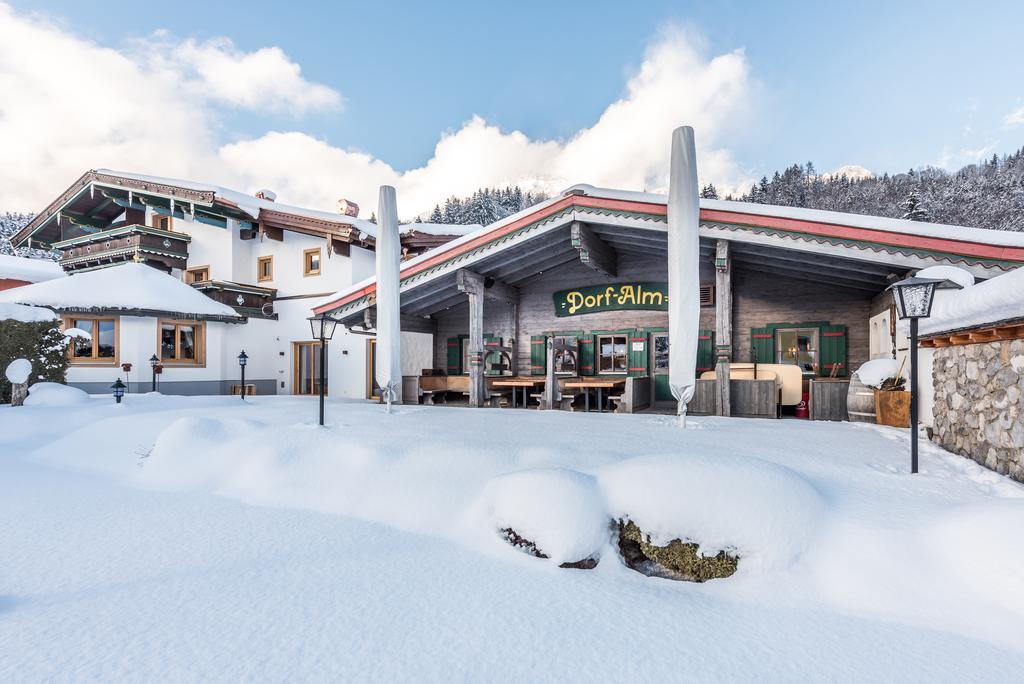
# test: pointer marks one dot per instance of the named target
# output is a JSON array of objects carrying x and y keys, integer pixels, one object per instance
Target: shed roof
[
  {"x": 29, "y": 270},
  {"x": 129, "y": 287}
]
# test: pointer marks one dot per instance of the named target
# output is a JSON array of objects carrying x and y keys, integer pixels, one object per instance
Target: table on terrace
[{"x": 599, "y": 385}]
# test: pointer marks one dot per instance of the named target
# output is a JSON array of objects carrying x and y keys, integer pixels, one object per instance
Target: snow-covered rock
[
  {"x": 762, "y": 512},
  {"x": 18, "y": 371},
  {"x": 561, "y": 511},
  {"x": 55, "y": 394}
]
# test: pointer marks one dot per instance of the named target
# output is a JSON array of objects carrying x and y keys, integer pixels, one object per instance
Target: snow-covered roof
[
  {"x": 124, "y": 287},
  {"x": 29, "y": 270},
  {"x": 993, "y": 301},
  {"x": 439, "y": 228},
  {"x": 1004, "y": 238},
  {"x": 249, "y": 203},
  {"x": 24, "y": 313}
]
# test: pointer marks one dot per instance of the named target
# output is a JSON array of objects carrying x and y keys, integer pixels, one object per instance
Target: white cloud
[
  {"x": 154, "y": 110},
  {"x": 955, "y": 159},
  {"x": 218, "y": 71},
  {"x": 1015, "y": 118}
]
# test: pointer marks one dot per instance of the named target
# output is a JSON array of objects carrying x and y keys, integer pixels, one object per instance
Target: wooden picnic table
[
  {"x": 599, "y": 385},
  {"x": 515, "y": 383}
]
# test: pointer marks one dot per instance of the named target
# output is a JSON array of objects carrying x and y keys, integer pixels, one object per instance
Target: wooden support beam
[
  {"x": 723, "y": 326},
  {"x": 469, "y": 281},
  {"x": 476, "y": 347},
  {"x": 594, "y": 252}
]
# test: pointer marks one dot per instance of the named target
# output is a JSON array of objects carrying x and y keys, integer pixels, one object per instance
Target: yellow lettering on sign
[
  {"x": 589, "y": 301},
  {"x": 575, "y": 301},
  {"x": 652, "y": 298},
  {"x": 627, "y": 295}
]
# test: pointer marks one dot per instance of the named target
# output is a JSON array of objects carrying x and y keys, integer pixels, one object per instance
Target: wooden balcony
[{"x": 158, "y": 248}]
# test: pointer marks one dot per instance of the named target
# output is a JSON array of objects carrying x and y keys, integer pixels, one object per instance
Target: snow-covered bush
[
  {"x": 54, "y": 394},
  {"x": 33, "y": 334},
  {"x": 549, "y": 513}
]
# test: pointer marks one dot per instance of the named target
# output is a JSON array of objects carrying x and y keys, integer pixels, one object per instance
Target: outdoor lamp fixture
[
  {"x": 243, "y": 358},
  {"x": 322, "y": 327},
  {"x": 118, "y": 389},
  {"x": 914, "y": 297},
  {"x": 153, "y": 362}
]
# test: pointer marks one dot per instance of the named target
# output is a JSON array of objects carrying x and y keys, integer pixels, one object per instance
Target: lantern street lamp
[
  {"x": 243, "y": 358},
  {"x": 118, "y": 389},
  {"x": 914, "y": 297},
  {"x": 322, "y": 328},
  {"x": 153, "y": 361}
]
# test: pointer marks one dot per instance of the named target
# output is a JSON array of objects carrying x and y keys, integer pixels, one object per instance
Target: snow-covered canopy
[
  {"x": 993, "y": 301},
  {"x": 29, "y": 270},
  {"x": 1003, "y": 238},
  {"x": 439, "y": 228},
  {"x": 125, "y": 287}
]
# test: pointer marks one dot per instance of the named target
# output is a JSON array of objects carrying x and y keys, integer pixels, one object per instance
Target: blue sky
[{"x": 883, "y": 85}]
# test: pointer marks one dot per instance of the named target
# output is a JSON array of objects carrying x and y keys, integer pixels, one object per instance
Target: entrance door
[
  {"x": 306, "y": 375},
  {"x": 659, "y": 366},
  {"x": 372, "y": 388}
]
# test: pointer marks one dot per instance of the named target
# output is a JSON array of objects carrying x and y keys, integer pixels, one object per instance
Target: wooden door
[
  {"x": 306, "y": 371},
  {"x": 659, "y": 366}
]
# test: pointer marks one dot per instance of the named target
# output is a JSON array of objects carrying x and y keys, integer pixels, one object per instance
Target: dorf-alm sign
[{"x": 583, "y": 300}]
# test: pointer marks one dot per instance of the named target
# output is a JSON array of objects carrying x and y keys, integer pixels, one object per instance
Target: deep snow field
[{"x": 185, "y": 539}]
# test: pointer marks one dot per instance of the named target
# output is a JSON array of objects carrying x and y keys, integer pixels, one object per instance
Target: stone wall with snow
[{"x": 979, "y": 410}]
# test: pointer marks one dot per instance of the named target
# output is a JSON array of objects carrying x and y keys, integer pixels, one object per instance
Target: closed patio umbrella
[
  {"x": 683, "y": 270},
  {"x": 389, "y": 353}
]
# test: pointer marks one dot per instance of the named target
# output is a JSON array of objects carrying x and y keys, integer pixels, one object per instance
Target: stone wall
[{"x": 979, "y": 392}]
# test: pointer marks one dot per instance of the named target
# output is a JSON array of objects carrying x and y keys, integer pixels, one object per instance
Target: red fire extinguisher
[{"x": 801, "y": 409}]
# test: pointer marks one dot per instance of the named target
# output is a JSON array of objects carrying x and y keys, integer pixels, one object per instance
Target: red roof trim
[
  {"x": 946, "y": 245},
  {"x": 936, "y": 244}
]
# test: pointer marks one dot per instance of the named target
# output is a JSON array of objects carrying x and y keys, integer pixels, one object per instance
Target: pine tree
[
  {"x": 709, "y": 191},
  {"x": 913, "y": 209}
]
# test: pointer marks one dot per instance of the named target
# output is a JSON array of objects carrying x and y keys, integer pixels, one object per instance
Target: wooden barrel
[{"x": 860, "y": 402}]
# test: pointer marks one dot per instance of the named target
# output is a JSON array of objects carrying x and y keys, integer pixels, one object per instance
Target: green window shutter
[
  {"x": 491, "y": 343},
  {"x": 587, "y": 362},
  {"x": 637, "y": 353},
  {"x": 538, "y": 354},
  {"x": 833, "y": 350},
  {"x": 454, "y": 356},
  {"x": 705, "y": 351},
  {"x": 763, "y": 342}
]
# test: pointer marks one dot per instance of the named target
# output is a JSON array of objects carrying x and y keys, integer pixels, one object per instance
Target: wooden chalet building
[
  {"x": 267, "y": 261},
  {"x": 800, "y": 290}
]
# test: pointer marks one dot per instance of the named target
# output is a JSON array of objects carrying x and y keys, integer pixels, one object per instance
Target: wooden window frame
[
  {"x": 269, "y": 259},
  {"x": 158, "y": 218},
  {"x": 598, "y": 356},
  {"x": 69, "y": 322},
  {"x": 200, "y": 331},
  {"x": 306, "y": 270},
  {"x": 191, "y": 272},
  {"x": 575, "y": 339}
]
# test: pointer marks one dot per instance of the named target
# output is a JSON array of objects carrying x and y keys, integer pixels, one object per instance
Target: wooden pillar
[
  {"x": 514, "y": 342},
  {"x": 476, "y": 347},
  {"x": 551, "y": 381},
  {"x": 723, "y": 325}
]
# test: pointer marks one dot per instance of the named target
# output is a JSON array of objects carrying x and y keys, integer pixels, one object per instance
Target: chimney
[
  {"x": 265, "y": 194},
  {"x": 348, "y": 208}
]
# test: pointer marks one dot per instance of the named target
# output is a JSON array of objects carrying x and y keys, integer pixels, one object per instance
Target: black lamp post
[
  {"x": 914, "y": 298},
  {"x": 118, "y": 389},
  {"x": 243, "y": 358},
  {"x": 322, "y": 327},
  {"x": 153, "y": 361}
]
